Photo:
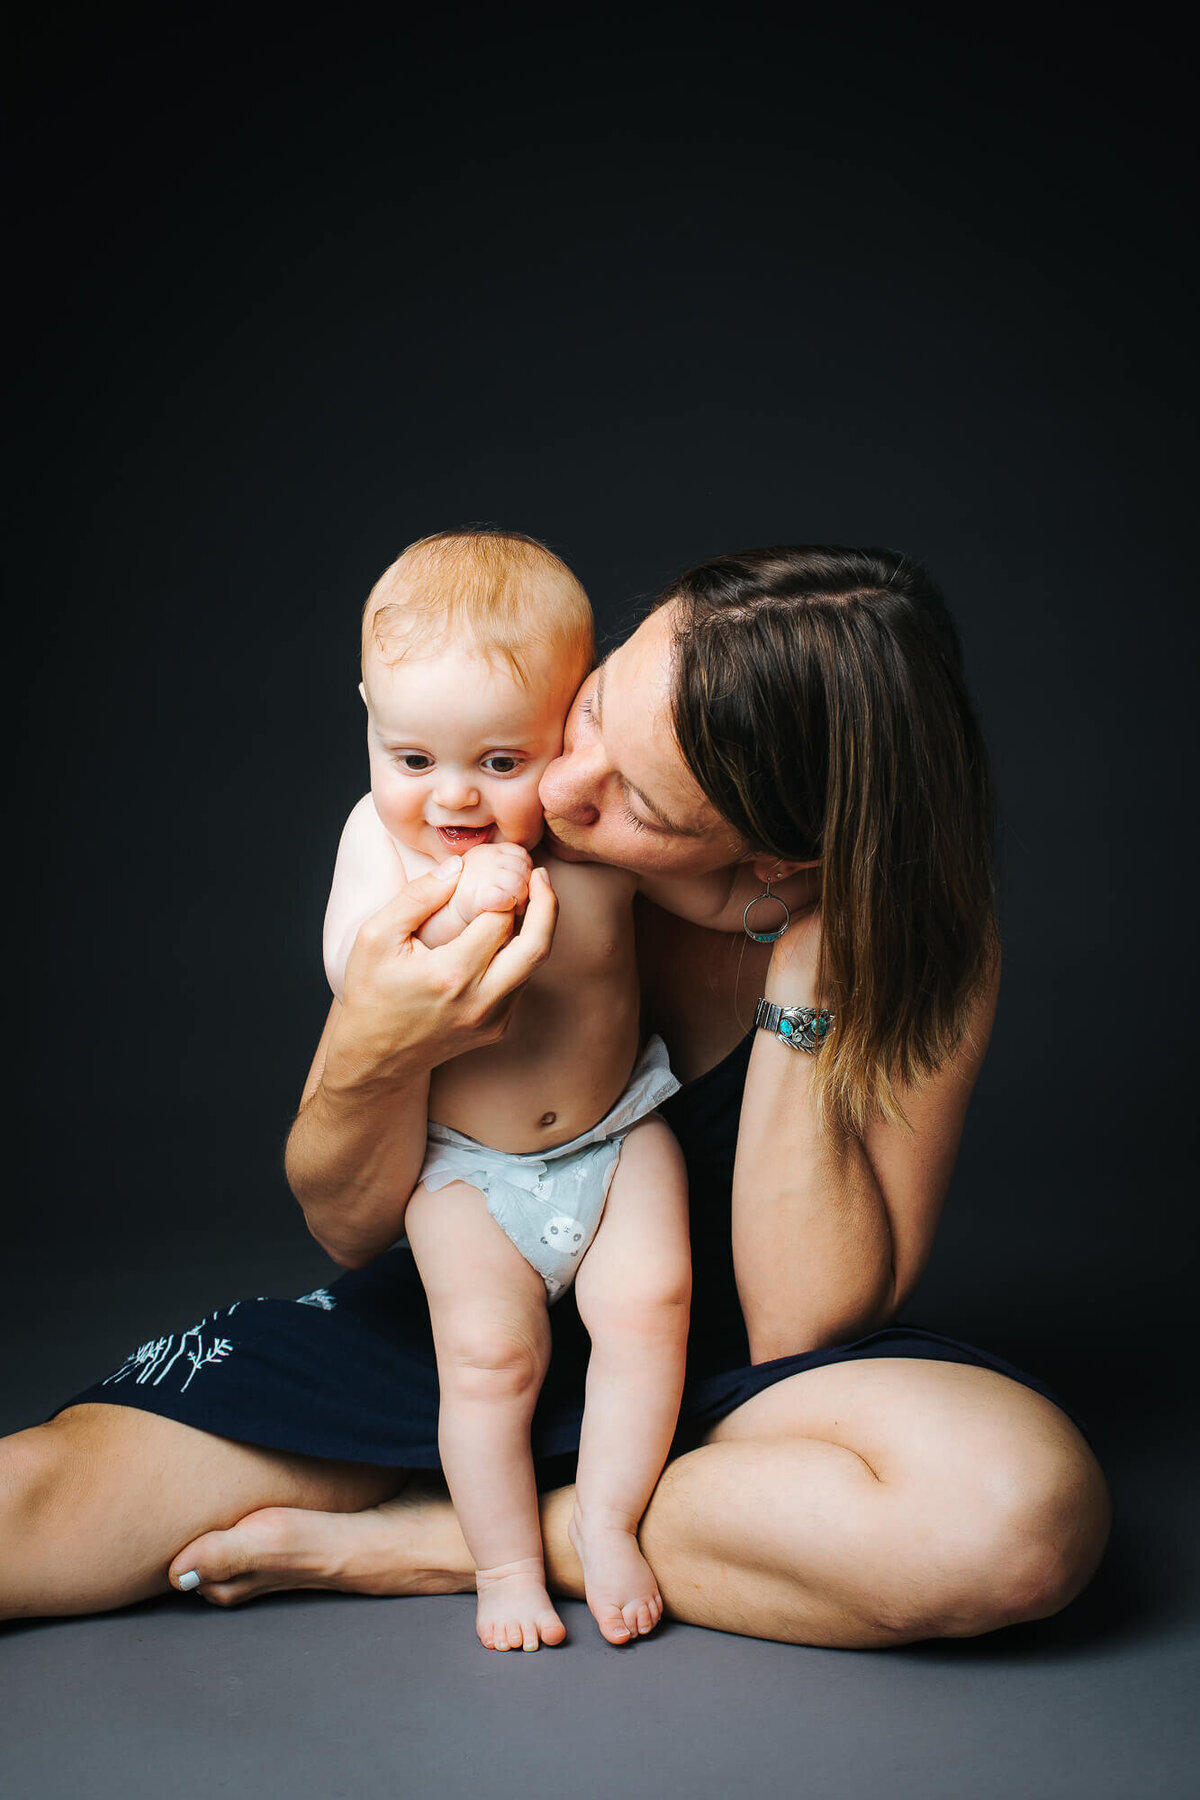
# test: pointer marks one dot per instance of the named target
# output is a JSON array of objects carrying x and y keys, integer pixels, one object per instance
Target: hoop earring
[{"x": 765, "y": 937}]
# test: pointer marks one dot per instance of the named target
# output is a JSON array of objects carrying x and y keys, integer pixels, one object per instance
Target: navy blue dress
[{"x": 348, "y": 1372}]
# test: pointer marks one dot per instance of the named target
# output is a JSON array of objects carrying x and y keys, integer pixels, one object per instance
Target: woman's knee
[
  {"x": 1055, "y": 1533},
  {"x": 31, "y": 1469},
  {"x": 43, "y": 1483},
  {"x": 43, "y": 1471},
  {"x": 1019, "y": 1548}
]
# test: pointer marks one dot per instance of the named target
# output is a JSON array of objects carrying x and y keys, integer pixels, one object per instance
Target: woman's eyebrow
[{"x": 666, "y": 824}]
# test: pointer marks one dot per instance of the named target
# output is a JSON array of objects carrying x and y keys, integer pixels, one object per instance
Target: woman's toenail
[{"x": 189, "y": 1581}]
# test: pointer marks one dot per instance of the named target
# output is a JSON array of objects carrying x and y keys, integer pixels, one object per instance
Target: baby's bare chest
[
  {"x": 594, "y": 937},
  {"x": 572, "y": 1036}
]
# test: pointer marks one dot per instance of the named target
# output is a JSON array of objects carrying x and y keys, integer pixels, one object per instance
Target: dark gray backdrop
[{"x": 650, "y": 286}]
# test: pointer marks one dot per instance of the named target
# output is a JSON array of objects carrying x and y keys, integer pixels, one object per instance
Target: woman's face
[{"x": 621, "y": 792}]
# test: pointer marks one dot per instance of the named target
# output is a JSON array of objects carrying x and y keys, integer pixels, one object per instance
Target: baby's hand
[{"x": 495, "y": 878}]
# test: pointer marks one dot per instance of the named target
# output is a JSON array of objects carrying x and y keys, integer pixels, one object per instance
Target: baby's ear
[{"x": 362, "y": 690}]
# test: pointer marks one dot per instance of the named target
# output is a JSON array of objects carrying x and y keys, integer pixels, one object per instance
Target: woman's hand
[
  {"x": 407, "y": 1008},
  {"x": 355, "y": 1150}
]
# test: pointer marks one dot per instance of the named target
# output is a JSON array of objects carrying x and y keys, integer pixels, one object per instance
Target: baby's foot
[
  {"x": 622, "y": 1593},
  {"x": 514, "y": 1611}
]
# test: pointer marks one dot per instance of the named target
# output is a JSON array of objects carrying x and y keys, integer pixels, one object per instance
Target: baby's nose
[{"x": 455, "y": 791}]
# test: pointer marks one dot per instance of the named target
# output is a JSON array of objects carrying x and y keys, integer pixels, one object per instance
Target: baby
[{"x": 547, "y": 1162}]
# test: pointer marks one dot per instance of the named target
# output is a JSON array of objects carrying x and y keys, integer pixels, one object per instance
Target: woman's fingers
[
  {"x": 512, "y": 965},
  {"x": 417, "y": 901},
  {"x": 458, "y": 994},
  {"x": 496, "y": 960}
]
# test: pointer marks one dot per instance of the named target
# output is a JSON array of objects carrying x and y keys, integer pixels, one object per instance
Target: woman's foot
[
  {"x": 409, "y": 1545},
  {"x": 622, "y": 1593},
  {"x": 515, "y": 1611}
]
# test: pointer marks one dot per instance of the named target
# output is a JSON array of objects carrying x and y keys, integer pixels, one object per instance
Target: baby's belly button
[{"x": 548, "y": 1119}]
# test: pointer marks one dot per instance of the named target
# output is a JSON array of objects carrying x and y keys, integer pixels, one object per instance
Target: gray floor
[
  {"x": 331, "y": 1696},
  {"x": 325, "y": 1696}
]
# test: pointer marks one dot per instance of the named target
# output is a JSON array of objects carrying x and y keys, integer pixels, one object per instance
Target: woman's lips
[
  {"x": 565, "y": 852},
  {"x": 464, "y": 837}
]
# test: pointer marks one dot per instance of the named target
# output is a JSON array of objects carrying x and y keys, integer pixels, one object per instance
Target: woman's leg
[
  {"x": 633, "y": 1290},
  {"x": 94, "y": 1505},
  {"x": 881, "y": 1502},
  {"x": 487, "y": 1307},
  {"x": 865, "y": 1504}
]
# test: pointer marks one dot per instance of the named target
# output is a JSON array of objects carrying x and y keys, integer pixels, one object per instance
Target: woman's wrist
[{"x": 364, "y": 1060}]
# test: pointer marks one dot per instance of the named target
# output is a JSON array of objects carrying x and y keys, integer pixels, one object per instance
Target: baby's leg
[
  {"x": 633, "y": 1290},
  {"x": 492, "y": 1337}
]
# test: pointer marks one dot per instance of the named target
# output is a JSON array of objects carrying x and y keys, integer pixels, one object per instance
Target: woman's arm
[
  {"x": 358, "y": 1141},
  {"x": 831, "y": 1233}
]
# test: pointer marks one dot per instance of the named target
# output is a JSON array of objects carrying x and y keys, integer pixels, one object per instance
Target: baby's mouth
[{"x": 464, "y": 837}]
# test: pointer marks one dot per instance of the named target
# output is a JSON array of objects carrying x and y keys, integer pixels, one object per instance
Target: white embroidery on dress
[
  {"x": 152, "y": 1361},
  {"x": 319, "y": 1297}
]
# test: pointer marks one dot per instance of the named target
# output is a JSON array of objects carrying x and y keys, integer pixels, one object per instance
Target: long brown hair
[{"x": 819, "y": 700}]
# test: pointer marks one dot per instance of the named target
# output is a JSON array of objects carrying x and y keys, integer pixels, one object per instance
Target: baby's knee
[
  {"x": 652, "y": 1304},
  {"x": 487, "y": 1359}
]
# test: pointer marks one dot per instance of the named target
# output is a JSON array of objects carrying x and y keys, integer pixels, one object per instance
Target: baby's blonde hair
[{"x": 499, "y": 592}]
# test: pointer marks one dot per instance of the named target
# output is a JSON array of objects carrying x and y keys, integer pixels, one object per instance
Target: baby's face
[{"x": 457, "y": 748}]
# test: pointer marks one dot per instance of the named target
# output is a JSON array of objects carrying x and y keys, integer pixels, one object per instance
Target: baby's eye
[
  {"x": 415, "y": 761},
  {"x": 501, "y": 765}
]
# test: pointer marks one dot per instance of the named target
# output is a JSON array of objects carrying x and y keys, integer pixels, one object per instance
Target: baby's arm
[{"x": 367, "y": 873}]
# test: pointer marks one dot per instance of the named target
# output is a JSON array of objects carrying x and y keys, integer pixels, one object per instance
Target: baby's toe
[
  {"x": 612, "y": 1624},
  {"x": 551, "y": 1628},
  {"x": 632, "y": 1612}
]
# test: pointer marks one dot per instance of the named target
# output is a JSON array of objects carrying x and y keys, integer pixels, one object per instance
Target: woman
[{"x": 838, "y": 1481}]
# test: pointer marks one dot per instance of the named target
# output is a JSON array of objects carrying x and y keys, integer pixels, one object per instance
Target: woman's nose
[{"x": 567, "y": 788}]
